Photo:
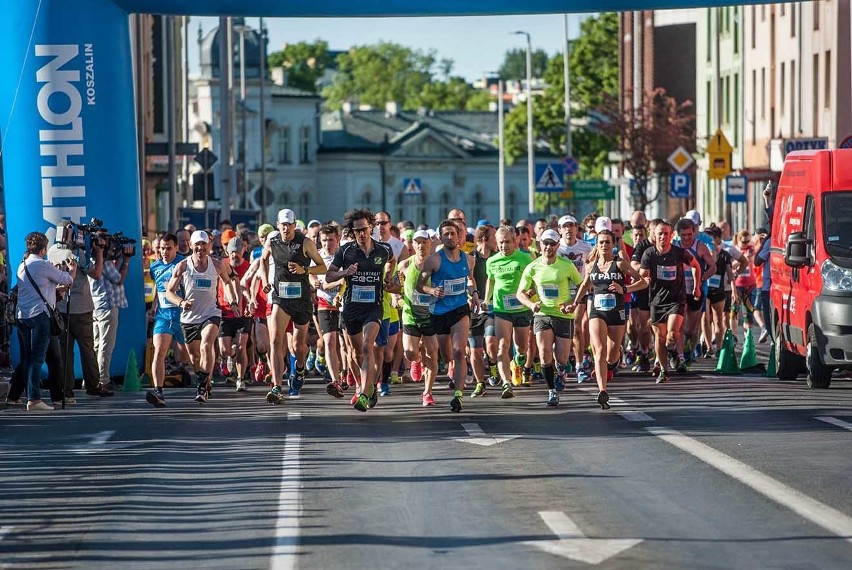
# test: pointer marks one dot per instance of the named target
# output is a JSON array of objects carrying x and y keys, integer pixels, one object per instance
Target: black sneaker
[
  {"x": 552, "y": 399},
  {"x": 507, "y": 392},
  {"x": 98, "y": 391},
  {"x": 603, "y": 400},
  {"x": 456, "y": 402},
  {"x": 662, "y": 377},
  {"x": 201, "y": 395},
  {"x": 155, "y": 398},
  {"x": 275, "y": 396},
  {"x": 373, "y": 399},
  {"x": 333, "y": 389}
]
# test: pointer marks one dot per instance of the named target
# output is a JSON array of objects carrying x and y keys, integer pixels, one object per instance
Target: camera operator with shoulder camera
[{"x": 78, "y": 306}]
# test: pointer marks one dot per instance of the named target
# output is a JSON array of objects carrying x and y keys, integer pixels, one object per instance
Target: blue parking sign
[{"x": 680, "y": 185}]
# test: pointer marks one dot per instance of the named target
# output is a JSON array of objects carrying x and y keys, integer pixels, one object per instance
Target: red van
[{"x": 811, "y": 266}]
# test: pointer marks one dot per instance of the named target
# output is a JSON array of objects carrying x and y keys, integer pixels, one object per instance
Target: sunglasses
[
  {"x": 549, "y": 243},
  {"x": 361, "y": 230},
  {"x": 383, "y": 223},
  {"x": 590, "y": 227}
]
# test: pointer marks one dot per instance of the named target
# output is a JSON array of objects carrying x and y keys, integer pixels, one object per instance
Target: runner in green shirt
[{"x": 551, "y": 278}]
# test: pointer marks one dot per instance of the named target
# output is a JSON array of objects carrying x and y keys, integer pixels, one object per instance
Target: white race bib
[
  {"x": 667, "y": 272},
  {"x": 289, "y": 290},
  {"x": 164, "y": 301},
  {"x": 363, "y": 294},
  {"x": 715, "y": 282},
  {"x": 421, "y": 299},
  {"x": 455, "y": 286},
  {"x": 605, "y": 301},
  {"x": 203, "y": 283},
  {"x": 549, "y": 292},
  {"x": 511, "y": 302}
]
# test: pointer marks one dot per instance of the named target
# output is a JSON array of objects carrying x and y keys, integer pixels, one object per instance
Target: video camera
[{"x": 115, "y": 246}]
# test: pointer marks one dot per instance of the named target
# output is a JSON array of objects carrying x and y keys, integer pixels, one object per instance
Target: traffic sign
[
  {"x": 411, "y": 186},
  {"x": 206, "y": 158},
  {"x": 680, "y": 185},
  {"x": 570, "y": 165},
  {"x": 592, "y": 190},
  {"x": 718, "y": 143},
  {"x": 735, "y": 188},
  {"x": 846, "y": 143},
  {"x": 680, "y": 159},
  {"x": 549, "y": 177}
]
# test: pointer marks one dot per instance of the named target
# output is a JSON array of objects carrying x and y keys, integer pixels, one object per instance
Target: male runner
[
  {"x": 692, "y": 322},
  {"x": 234, "y": 333},
  {"x": 576, "y": 251},
  {"x": 166, "y": 319},
  {"x": 328, "y": 313},
  {"x": 482, "y": 341}
]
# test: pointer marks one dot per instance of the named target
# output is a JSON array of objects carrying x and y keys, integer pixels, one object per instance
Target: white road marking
[
  {"x": 285, "y": 550},
  {"x": 816, "y": 512},
  {"x": 97, "y": 442},
  {"x": 635, "y": 416},
  {"x": 834, "y": 422},
  {"x": 4, "y": 530},
  {"x": 573, "y": 544},
  {"x": 479, "y": 437},
  {"x": 294, "y": 416}
]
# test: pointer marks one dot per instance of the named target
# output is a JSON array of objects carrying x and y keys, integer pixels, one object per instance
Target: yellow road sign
[{"x": 718, "y": 144}]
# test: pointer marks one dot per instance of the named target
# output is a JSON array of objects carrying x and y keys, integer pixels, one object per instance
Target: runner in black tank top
[{"x": 603, "y": 302}]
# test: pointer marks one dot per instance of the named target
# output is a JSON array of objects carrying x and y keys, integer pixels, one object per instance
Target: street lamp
[{"x": 530, "y": 147}]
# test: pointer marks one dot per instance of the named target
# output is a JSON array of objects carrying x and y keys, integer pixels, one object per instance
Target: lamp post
[{"x": 530, "y": 147}]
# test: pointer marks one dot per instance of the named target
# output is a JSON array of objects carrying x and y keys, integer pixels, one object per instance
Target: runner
[
  {"x": 234, "y": 333},
  {"x": 196, "y": 276},
  {"x": 692, "y": 322},
  {"x": 166, "y": 318},
  {"x": 328, "y": 314},
  {"x": 388, "y": 338},
  {"x": 719, "y": 292},
  {"x": 417, "y": 330},
  {"x": 365, "y": 264},
  {"x": 663, "y": 267},
  {"x": 552, "y": 278},
  {"x": 482, "y": 342},
  {"x": 290, "y": 292},
  {"x": 576, "y": 251},
  {"x": 606, "y": 280},
  {"x": 512, "y": 319},
  {"x": 638, "y": 322},
  {"x": 450, "y": 272}
]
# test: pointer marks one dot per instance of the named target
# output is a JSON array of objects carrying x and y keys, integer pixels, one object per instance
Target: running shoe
[
  {"x": 657, "y": 368},
  {"x": 479, "y": 390},
  {"x": 603, "y": 400},
  {"x": 711, "y": 353},
  {"x": 275, "y": 396},
  {"x": 537, "y": 368},
  {"x": 630, "y": 357},
  {"x": 361, "y": 403},
  {"x": 582, "y": 375},
  {"x": 297, "y": 381},
  {"x": 309, "y": 363},
  {"x": 428, "y": 400},
  {"x": 242, "y": 385},
  {"x": 493, "y": 371},
  {"x": 321, "y": 365},
  {"x": 587, "y": 361},
  {"x": 374, "y": 398},
  {"x": 354, "y": 398},
  {"x": 517, "y": 378},
  {"x": 224, "y": 370},
  {"x": 202, "y": 394},
  {"x": 153, "y": 397},
  {"x": 764, "y": 336},
  {"x": 385, "y": 391},
  {"x": 559, "y": 381},
  {"x": 395, "y": 378},
  {"x": 552, "y": 399},
  {"x": 333, "y": 389},
  {"x": 260, "y": 372},
  {"x": 456, "y": 402},
  {"x": 507, "y": 392},
  {"x": 417, "y": 371},
  {"x": 673, "y": 357},
  {"x": 645, "y": 365},
  {"x": 662, "y": 376},
  {"x": 527, "y": 377},
  {"x": 350, "y": 379},
  {"x": 681, "y": 367},
  {"x": 494, "y": 380}
]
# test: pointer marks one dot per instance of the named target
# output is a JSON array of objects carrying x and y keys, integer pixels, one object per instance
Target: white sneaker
[
  {"x": 241, "y": 386},
  {"x": 39, "y": 406},
  {"x": 764, "y": 336}
]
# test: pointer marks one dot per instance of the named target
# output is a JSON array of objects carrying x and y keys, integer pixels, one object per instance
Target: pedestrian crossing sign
[
  {"x": 411, "y": 186},
  {"x": 549, "y": 177}
]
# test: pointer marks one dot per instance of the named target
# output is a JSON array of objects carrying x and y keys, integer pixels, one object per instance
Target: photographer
[
  {"x": 79, "y": 307},
  {"x": 37, "y": 283},
  {"x": 108, "y": 297}
]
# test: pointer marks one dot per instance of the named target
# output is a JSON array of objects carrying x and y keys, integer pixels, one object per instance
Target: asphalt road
[{"x": 702, "y": 472}]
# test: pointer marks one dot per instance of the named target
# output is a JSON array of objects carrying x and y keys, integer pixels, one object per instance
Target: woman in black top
[
  {"x": 606, "y": 277},
  {"x": 717, "y": 292}
]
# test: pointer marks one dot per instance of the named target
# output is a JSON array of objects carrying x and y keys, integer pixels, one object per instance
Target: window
[
  {"x": 816, "y": 10},
  {"x": 284, "y": 145},
  {"x": 304, "y": 203},
  {"x": 304, "y": 144},
  {"x": 827, "y": 86},
  {"x": 763, "y": 93},
  {"x": 815, "y": 98}
]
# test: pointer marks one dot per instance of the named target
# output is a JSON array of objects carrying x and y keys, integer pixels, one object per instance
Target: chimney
[{"x": 391, "y": 109}]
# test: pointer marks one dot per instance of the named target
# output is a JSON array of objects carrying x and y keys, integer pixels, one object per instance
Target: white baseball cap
[
  {"x": 431, "y": 233},
  {"x": 694, "y": 216},
  {"x": 567, "y": 219},
  {"x": 603, "y": 223},
  {"x": 286, "y": 216},
  {"x": 313, "y": 223},
  {"x": 421, "y": 234},
  {"x": 199, "y": 236},
  {"x": 551, "y": 235}
]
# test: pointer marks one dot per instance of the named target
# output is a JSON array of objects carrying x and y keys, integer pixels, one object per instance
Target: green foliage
[
  {"x": 594, "y": 61},
  {"x": 514, "y": 66},
  {"x": 304, "y": 63}
]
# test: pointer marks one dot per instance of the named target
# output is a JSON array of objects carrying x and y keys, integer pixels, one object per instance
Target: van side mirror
[{"x": 797, "y": 253}]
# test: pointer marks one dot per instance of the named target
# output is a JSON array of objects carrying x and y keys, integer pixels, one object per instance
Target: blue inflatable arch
[{"x": 67, "y": 116}]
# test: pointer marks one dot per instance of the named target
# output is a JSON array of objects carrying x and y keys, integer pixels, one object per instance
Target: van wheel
[
  {"x": 819, "y": 375},
  {"x": 787, "y": 364}
]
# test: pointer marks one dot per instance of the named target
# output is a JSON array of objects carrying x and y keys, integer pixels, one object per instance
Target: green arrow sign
[{"x": 592, "y": 190}]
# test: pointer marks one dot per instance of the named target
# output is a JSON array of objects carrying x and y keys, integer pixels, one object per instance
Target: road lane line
[
  {"x": 818, "y": 513},
  {"x": 4, "y": 530},
  {"x": 635, "y": 416},
  {"x": 286, "y": 546},
  {"x": 294, "y": 416},
  {"x": 834, "y": 422}
]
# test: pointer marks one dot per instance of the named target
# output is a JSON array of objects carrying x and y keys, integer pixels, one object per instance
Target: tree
[
  {"x": 453, "y": 94},
  {"x": 514, "y": 66},
  {"x": 647, "y": 136},
  {"x": 304, "y": 62},
  {"x": 594, "y": 61}
]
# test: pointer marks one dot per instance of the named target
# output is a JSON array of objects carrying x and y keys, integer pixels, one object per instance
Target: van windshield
[{"x": 838, "y": 223}]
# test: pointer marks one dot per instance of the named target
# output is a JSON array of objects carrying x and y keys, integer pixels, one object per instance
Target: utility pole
[
  {"x": 226, "y": 57},
  {"x": 501, "y": 172},
  {"x": 262, "y": 120},
  {"x": 169, "y": 25}
]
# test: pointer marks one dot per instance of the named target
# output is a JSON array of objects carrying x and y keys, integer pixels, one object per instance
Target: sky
[{"x": 476, "y": 44}]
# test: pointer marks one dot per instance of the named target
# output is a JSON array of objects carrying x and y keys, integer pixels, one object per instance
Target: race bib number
[
  {"x": 203, "y": 283},
  {"x": 455, "y": 286},
  {"x": 605, "y": 301},
  {"x": 715, "y": 282},
  {"x": 511, "y": 302},
  {"x": 421, "y": 299},
  {"x": 149, "y": 289},
  {"x": 164, "y": 301},
  {"x": 745, "y": 271},
  {"x": 289, "y": 290},
  {"x": 667, "y": 272},
  {"x": 363, "y": 294},
  {"x": 549, "y": 292}
]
